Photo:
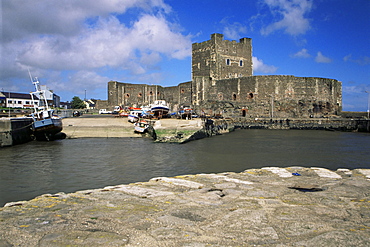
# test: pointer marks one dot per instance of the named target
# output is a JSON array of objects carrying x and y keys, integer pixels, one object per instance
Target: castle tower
[{"x": 219, "y": 59}]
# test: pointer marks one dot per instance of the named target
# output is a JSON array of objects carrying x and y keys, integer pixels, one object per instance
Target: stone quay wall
[
  {"x": 272, "y": 206},
  {"x": 18, "y": 130},
  {"x": 181, "y": 131},
  {"x": 340, "y": 124},
  {"x": 213, "y": 127},
  {"x": 15, "y": 131}
]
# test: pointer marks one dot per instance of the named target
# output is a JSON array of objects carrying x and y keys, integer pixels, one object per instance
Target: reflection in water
[{"x": 69, "y": 165}]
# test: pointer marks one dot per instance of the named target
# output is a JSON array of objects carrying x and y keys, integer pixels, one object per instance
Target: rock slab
[{"x": 273, "y": 206}]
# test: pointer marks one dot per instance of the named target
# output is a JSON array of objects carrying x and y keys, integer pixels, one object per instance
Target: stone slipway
[
  {"x": 83, "y": 127},
  {"x": 258, "y": 207}
]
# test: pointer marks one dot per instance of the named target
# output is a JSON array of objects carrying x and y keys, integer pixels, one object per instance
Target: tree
[{"x": 77, "y": 103}]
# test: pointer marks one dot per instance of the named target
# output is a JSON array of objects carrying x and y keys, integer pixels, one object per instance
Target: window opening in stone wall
[
  {"x": 234, "y": 96},
  {"x": 241, "y": 63},
  {"x": 250, "y": 96},
  {"x": 182, "y": 91},
  {"x": 151, "y": 93},
  {"x": 127, "y": 95},
  {"x": 227, "y": 61},
  {"x": 140, "y": 95}
]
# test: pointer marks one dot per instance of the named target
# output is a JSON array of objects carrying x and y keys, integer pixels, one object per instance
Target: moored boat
[
  {"x": 46, "y": 124},
  {"x": 135, "y": 114},
  {"x": 141, "y": 126}
]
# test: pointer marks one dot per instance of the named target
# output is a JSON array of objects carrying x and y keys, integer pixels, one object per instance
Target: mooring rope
[{"x": 14, "y": 130}]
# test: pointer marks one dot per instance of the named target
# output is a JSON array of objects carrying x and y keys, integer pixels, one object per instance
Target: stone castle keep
[{"x": 223, "y": 83}]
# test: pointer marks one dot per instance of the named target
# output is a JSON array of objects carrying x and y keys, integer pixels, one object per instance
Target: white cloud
[
  {"x": 365, "y": 60},
  {"x": 259, "y": 66},
  {"x": 110, "y": 43},
  {"x": 83, "y": 35},
  {"x": 73, "y": 44},
  {"x": 234, "y": 30},
  {"x": 347, "y": 58},
  {"x": 354, "y": 88},
  {"x": 66, "y": 17},
  {"x": 291, "y": 14},
  {"x": 302, "y": 54},
  {"x": 320, "y": 58}
]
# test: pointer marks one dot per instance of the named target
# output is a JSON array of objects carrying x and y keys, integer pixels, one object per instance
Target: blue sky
[{"x": 78, "y": 45}]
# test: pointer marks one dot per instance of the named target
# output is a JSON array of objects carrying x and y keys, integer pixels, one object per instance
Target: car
[{"x": 104, "y": 111}]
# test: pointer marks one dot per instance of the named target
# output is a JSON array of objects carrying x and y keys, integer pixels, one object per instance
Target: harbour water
[{"x": 36, "y": 168}]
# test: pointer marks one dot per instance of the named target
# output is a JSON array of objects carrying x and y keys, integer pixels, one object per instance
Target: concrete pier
[
  {"x": 109, "y": 126},
  {"x": 165, "y": 129},
  {"x": 15, "y": 131},
  {"x": 272, "y": 206}
]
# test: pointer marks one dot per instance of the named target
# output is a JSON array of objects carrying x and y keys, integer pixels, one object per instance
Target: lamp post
[{"x": 368, "y": 104}]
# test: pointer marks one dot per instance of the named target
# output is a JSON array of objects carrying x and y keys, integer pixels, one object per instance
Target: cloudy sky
[{"x": 77, "y": 46}]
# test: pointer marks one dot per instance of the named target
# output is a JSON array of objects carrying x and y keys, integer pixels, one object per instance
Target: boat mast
[{"x": 43, "y": 104}]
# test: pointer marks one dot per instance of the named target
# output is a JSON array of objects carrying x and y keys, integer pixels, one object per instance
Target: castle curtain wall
[{"x": 274, "y": 96}]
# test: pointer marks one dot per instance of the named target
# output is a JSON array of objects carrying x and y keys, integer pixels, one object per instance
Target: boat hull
[
  {"x": 47, "y": 128},
  {"x": 160, "y": 108},
  {"x": 141, "y": 127}
]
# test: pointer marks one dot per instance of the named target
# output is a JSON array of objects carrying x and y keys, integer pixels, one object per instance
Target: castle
[{"x": 223, "y": 84}]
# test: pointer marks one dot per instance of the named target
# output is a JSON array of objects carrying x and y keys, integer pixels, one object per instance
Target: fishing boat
[
  {"x": 46, "y": 124},
  {"x": 141, "y": 126},
  {"x": 135, "y": 114},
  {"x": 159, "y": 108}
]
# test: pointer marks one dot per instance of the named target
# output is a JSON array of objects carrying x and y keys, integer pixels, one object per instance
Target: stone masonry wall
[
  {"x": 254, "y": 96},
  {"x": 221, "y": 59},
  {"x": 270, "y": 96}
]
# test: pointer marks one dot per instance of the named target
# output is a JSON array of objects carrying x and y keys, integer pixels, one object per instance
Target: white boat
[
  {"x": 135, "y": 114},
  {"x": 141, "y": 126},
  {"x": 159, "y": 108},
  {"x": 46, "y": 125}
]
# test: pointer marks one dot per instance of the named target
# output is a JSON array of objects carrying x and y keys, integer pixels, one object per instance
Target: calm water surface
[{"x": 36, "y": 168}]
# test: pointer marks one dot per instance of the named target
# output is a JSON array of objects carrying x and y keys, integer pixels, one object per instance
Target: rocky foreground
[{"x": 259, "y": 207}]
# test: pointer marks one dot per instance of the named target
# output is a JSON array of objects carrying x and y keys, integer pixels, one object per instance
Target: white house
[
  {"x": 24, "y": 100},
  {"x": 16, "y": 100}
]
